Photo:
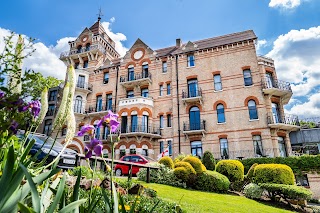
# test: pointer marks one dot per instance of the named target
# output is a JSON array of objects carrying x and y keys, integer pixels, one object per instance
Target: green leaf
[
  {"x": 34, "y": 191},
  {"x": 75, "y": 195},
  {"x": 154, "y": 207},
  {"x": 27, "y": 149},
  {"x": 123, "y": 209},
  {"x": 72, "y": 206},
  {"x": 25, "y": 209},
  {"x": 58, "y": 195},
  {"x": 7, "y": 173},
  {"x": 107, "y": 201},
  {"x": 115, "y": 198}
]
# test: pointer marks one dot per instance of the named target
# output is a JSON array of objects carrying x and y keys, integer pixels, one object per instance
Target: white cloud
[
  {"x": 297, "y": 60},
  {"x": 112, "y": 19},
  {"x": 117, "y": 38},
  {"x": 309, "y": 109},
  {"x": 261, "y": 44},
  {"x": 285, "y": 4}
]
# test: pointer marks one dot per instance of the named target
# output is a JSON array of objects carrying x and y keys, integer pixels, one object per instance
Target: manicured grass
[{"x": 197, "y": 201}]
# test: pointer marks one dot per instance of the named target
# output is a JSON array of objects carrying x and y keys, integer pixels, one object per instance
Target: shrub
[
  {"x": 249, "y": 175},
  {"x": 167, "y": 161},
  {"x": 86, "y": 172},
  {"x": 208, "y": 161},
  {"x": 181, "y": 173},
  {"x": 185, "y": 165},
  {"x": 233, "y": 169},
  {"x": 286, "y": 191},
  {"x": 273, "y": 173},
  {"x": 180, "y": 157},
  {"x": 253, "y": 191},
  {"x": 195, "y": 163},
  {"x": 212, "y": 181}
]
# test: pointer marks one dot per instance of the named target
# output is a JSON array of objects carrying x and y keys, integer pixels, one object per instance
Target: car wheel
[{"x": 118, "y": 172}]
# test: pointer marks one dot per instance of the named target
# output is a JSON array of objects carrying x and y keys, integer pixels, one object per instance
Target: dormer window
[{"x": 191, "y": 60}]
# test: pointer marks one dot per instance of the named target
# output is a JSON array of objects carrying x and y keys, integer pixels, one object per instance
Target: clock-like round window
[{"x": 137, "y": 54}]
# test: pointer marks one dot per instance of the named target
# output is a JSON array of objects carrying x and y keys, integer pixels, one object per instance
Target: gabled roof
[{"x": 97, "y": 28}]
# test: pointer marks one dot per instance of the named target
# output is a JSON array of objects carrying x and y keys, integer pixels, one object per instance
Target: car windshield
[{"x": 44, "y": 140}]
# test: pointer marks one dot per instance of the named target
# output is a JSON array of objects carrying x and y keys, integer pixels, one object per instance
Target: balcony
[
  {"x": 285, "y": 122},
  {"x": 243, "y": 154},
  {"x": 124, "y": 102},
  {"x": 100, "y": 110},
  {"x": 79, "y": 109},
  {"x": 277, "y": 88},
  {"x": 84, "y": 87},
  {"x": 194, "y": 128},
  {"x": 141, "y": 130},
  {"x": 95, "y": 48},
  {"x": 192, "y": 96},
  {"x": 50, "y": 112},
  {"x": 138, "y": 79}
]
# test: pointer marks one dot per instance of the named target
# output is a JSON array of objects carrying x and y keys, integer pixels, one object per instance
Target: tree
[{"x": 208, "y": 161}]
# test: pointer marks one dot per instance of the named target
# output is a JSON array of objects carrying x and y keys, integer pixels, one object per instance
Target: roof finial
[{"x": 99, "y": 14}]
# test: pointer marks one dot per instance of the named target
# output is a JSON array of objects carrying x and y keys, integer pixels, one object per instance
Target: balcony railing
[
  {"x": 194, "y": 126},
  {"x": 86, "y": 86},
  {"x": 102, "y": 108},
  {"x": 50, "y": 113},
  {"x": 136, "y": 101},
  {"x": 141, "y": 129},
  {"x": 243, "y": 154},
  {"x": 192, "y": 93},
  {"x": 83, "y": 50},
  {"x": 135, "y": 77},
  {"x": 286, "y": 121},
  {"x": 79, "y": 108},
  {"x": 278, "y": 84}
]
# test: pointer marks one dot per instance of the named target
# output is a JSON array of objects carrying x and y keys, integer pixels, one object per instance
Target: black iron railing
[
  {"x": 83, "y": 50},
  {"x": 101, "y": 108},
  {"x": 86, "y": 86},
  {"x": 268, "y": 83},
  {"x": 134, "y": 77},
  {"x": 192, "y": 93},
  {"x": 283, "y": 119},
  {"x": 50, "y": 113},
  {"x": 243, "y": 154},
  {"x": 192, "y": 126},
  {"x": 141, "y": 129}
]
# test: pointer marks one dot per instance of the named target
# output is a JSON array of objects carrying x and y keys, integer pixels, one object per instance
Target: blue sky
[{"x": 288, "y": 31}]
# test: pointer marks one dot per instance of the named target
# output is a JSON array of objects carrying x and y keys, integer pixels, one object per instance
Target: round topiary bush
[
  {"x": 273, "y": 173},
  {"x": 167, "y": 161},
  {"x": 185, "y": 165},
  {"x": 249, "y": 175},
  {"x": 208, "y": 161},
  {"x": 182, "y": 173},
  {"x": 233, "y": 169},
  {"x": 253, "y": 191},
  {"x": 212, "y": 181},
  {"x": 195, "y": 163},
  {"x": 180, "y": 158}
]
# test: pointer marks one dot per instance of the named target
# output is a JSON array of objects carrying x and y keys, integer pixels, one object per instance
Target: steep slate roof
[{"x": 97, "y": 28}]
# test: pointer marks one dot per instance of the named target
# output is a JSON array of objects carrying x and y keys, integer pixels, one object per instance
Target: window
[
  {"x": 134, "y": 123},
  {"x": 217, "y": 82},
  {"x": 105, "y": 153},
  {"x": 253, "y": 113},
  {"x": 220, "y": 113},
  {"x": 123, "y": 153},
  {"x": 196, "y": 148},
  {"x": 168, "y": 88},
  {"x": 133, "y": 151},
  {"x": 161, "y": 147},
  {"x": 247, "y": 77},
  {"x": 79, "y": 49},
  {"x": 257, "y": 145},
  {"x": 109, "y": 102},
  {"x": 127, "y": 158},
  {"x": 99, "y": 103},
  {"x": 106, "y": 78},
  {"x": 164, "y": 66},
  {"x": 190, "y": 60},
  {"x": 106, "y": 133},
  {"x": 47, "y": 127},
  {"x": 161, "y": 90},
  {"x": 130, "y": 94},
  {"x": 85, "y": 64},
  {"x": 145, "y": 73},
  {"x": 145, "y": 152},
  {"x": 282, "y": 147},
  {"x": 124, "y": 123},
  {"x": 81, "y": 81},
  {"x": 276, "y": 113},
  {"x": 76, "y": 65},
  {"x": 78, "y": 104},
  {"x": 145, "y": 123},
  {"x": 64, "y": 131},
  {"x": 224, "y": 151},
  {"x": 193, "y": 88},
  {"x": 88, "y": 47},
  {"x": 194, "y": 118},
  {"x": 168, "y": 120},
  {"x": 161, "y": 121},
  {"x": 145, "y": 92},
  {"x": 170, "y": 147},
  {"x": 50, "y": 110},
  {"x": 130, "y": 73},
  {"x": 53, "y": 95},
  {"x": 97, "y": 131}
]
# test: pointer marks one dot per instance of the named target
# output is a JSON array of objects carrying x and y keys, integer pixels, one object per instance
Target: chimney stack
[{"x": 178, "y": 42}]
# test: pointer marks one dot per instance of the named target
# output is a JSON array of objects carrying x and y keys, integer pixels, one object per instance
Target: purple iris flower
[
  {"x": 23, "y": 108},
  {"x": 13, "y": 127},
  {"x": 94, "y": 145},
  {"x": 110, "y": 120},
  {"x": 35, "y": 107},
  {"x": 1, "y": 94},
  {"x": 86, "y": 129}
]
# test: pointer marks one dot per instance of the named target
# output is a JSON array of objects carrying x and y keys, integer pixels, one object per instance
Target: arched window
[
  {"x": 194, "y": 118},
  {"x": 87, "y": 46},
  {"x": 145, "y": 149},
  {"x": 133, "y": 149},
  {"x": 131, "y": 73},
  {"x": 79, "y": 49},
  {"x": 145, "y": 68},
  {"x": 78, "y": 104},
  {"x": 122, "y": 150},
  {"x": 253, "y": 112},
  {"x": 220, "y": 113}
]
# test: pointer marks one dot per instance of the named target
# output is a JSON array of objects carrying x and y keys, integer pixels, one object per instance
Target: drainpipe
[
  {"x": 178, "y": 105},
  {"x": 115, "y": 104}
]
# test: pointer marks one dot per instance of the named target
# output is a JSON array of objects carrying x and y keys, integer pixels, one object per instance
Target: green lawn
[{"x": 197, "y": 201}]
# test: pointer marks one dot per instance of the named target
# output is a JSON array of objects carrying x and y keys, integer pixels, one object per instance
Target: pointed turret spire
[{"x": 99, "y": 14}]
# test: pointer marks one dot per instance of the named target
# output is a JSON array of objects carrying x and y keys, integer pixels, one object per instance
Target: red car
[{"x": 124, "y": 169}]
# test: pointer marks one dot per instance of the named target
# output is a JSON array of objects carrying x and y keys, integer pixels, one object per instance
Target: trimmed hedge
[
  {"x": 233, "y": 169},
  {"x": 208, "y": 161},
  {"x": 195, "y": 163},
  {"x": 249, "y": 175},
  {"x": 273, "y": 173},
  {"x": 182, "y": 173},
  {"x": 212, "y": 181},
  {"x": 299, "y": 165},
  {"x": 287, "y": 191},
  {"x": 185, "y": 165},
  {"x": 180, "y": 157},
  {"x": 167, "y": 161}
]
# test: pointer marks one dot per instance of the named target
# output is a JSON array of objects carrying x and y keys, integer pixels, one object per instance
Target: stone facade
[{"x": 205, "y": 88}]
